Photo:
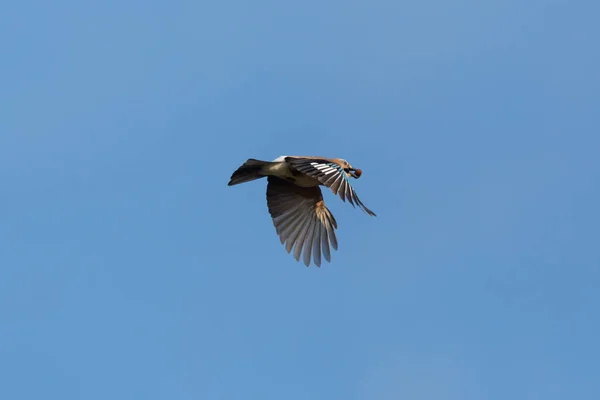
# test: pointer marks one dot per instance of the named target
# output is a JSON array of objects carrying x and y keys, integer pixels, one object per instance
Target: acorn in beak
[{"x": 355, "y": 172}]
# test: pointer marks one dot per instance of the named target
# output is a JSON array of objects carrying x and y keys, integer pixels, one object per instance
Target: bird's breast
[{"x": 305, "y": 181}]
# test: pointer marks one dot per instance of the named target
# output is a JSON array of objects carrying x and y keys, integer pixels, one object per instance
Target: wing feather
[
  {"x": 316, "y": 243},
  {"x": 308, "y": 241}
]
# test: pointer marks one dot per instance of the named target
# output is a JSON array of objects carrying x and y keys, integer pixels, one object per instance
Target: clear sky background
[{"x": 129, "y": 270}]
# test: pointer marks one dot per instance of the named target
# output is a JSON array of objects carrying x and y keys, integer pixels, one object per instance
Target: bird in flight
[{"x": 295, "y": 201}]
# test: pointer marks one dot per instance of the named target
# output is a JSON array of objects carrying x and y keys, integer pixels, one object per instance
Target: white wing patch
[{"x": 324, "y": 168}]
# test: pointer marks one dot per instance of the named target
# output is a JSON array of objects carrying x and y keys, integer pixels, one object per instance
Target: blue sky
[{"x": 130, "y": 270}]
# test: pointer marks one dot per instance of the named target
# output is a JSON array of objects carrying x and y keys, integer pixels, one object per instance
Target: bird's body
[
  {"x": 282, "y": 169},
  {"x": 296, "y": 203}
]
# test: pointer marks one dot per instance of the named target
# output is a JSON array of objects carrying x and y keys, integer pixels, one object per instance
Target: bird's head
[{"x": 353, "y": 172}]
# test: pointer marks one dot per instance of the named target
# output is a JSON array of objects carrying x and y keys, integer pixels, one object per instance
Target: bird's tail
[{"x": 252, "y": 169}]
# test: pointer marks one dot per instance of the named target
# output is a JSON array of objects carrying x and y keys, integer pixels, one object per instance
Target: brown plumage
[{"x": 295, "y": 201}]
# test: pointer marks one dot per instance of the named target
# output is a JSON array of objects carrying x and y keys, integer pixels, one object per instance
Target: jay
[{"x": 295, "y": 201}]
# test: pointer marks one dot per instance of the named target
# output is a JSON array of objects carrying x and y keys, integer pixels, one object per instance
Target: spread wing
[
  {"x": 301, "y": 219},
  {"x": 330, "y": 174}
]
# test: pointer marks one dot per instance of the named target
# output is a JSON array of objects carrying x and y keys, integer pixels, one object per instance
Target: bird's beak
[{"x": 355, "y": 172}]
